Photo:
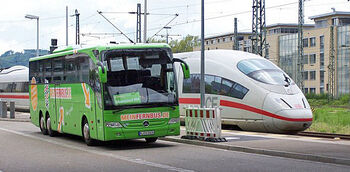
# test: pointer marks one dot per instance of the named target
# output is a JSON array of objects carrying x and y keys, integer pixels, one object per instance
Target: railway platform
[
  {"x": 324, "y": 150},
  {"x": 336, "y": 151}
]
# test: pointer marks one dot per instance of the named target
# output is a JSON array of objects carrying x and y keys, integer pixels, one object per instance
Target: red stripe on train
[
  {"x": 245, "y": 107},
  {"x": 14, "y": 96}
]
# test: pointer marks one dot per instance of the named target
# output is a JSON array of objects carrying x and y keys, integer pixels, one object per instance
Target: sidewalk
[
  {"x": 19, "y": 117},
  {"x": 288, "y": 146}
]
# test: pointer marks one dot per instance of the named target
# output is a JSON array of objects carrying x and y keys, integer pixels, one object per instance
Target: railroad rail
[{"x": 324, "y": 135}]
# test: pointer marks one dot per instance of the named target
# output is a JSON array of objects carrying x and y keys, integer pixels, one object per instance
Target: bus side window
[
  {"x": 71, "y": 74},
  {"x": 33, "y": 70},
  {"x": 58, "y": 69},
  {"x": 83, "y": 69},
  {"x": 40, "y": 71},
  {"x": 47, "y": 70}
]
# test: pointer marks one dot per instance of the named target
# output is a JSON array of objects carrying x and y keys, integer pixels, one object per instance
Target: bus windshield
[
  {"x": 264, "y": 71},
  {"x": 139, "y": 77}
]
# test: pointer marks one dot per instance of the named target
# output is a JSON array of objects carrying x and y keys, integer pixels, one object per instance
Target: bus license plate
[{"x": 146, "y": 133}]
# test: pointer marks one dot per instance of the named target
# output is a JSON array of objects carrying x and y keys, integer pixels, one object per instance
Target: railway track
[{"x": 325, "y": 135}]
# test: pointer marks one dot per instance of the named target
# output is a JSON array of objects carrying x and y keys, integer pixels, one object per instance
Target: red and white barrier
[{"x": 203, "y": 123}]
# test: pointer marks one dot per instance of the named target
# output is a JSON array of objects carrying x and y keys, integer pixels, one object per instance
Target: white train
[
  {"x": 14, "y": 86},
  {"x": 253, "y": 93}
]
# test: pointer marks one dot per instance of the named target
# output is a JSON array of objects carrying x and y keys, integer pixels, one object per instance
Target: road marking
[{"x": 129, "y": 159}]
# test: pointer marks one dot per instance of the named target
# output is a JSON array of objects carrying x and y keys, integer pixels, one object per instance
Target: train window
[
  {"x": 264, "y": 71},
  {"x": 225, "y": 87},
  {"x": 191, "y": 85},
  {"x": 238, "y": 91},
  {"x": 214, "y": 85}
]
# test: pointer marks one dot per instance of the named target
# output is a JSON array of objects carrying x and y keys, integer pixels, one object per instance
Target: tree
[{"x": 178, "y": 46}]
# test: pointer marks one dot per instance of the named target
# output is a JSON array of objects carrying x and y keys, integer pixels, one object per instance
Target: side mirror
[
  {"x": 184, "y": 66},
  {"x": 102, "y": 72}
]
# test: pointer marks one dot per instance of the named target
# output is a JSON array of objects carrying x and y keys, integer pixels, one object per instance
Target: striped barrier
[{"x": 203, "y": 123}]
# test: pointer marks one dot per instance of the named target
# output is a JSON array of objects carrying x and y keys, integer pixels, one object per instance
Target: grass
[
  {"x": 331, "y": 120},
  {"x": 330, "y": 116}
]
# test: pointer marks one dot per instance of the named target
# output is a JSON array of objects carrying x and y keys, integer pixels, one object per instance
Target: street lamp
[{"x": 37, "y": 31}]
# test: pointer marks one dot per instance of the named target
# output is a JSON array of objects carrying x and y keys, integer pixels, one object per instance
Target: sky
[{"x": 18, "y": 33}]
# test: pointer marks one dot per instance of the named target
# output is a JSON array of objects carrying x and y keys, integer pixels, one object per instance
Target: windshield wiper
[{"x": 287, "y": 80}]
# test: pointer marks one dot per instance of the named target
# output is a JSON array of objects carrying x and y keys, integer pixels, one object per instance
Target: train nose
[{"x": 293, "y": 119}]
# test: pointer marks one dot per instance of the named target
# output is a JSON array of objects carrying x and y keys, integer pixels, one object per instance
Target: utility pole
[
  {"x": 66, "y": 25},
  {"x": 299, "y": 63},
  {"x": 77, "y": 29},
  {"x": 331, "y": 67},
  {"x": 138, "y": 23},
  {"x": 258, "y": 28},
  {"x": 167, "y": 34},
  {"x": 145, "y": 22},
  {"x": 202, "y": 83},
  {"x": 235, "y": 46}
]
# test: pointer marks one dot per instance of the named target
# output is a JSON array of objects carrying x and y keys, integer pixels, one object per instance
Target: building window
[
  {"x": 322, "y": 60},
  {"x": 306, "y": 90},
  {"x": 305, "y": 42},
  {"x": 212, "y": 41},
  {"x": 305, "y": 75},
  {"x": 321, "y": 90},
  {"x": 207, "y": 42},
  {"x": 219, "y": 40},
  {"x": 223, "y": 39},
  {"x": 313, "y": 90},
  {"x": 312, "y": 58},
  {"x": 312, "y": 42},
  {"x": 231, "y": 38},
  {"x": 306, "y": 59},
  {"x": 321, "y": 78},
  {"x": 312, "y": 75},
  {"x": 322, "y": 43}
]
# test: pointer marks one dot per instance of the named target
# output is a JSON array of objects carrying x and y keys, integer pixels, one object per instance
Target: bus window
[
  {"x": 83, "y": 69},
  {"x": 47, "y": 70},
  {"x": 57, "y": 69},
  {"x": 71, "y": 71},
  {"x": 33, "y": 70}
]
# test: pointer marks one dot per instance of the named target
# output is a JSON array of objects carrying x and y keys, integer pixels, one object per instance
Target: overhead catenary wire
[{"x": 100, "y": 12}]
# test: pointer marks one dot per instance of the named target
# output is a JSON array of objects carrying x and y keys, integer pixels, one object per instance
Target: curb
[
  {"x": 15, "y": 120},
  {"x": 292, "y": 155}
]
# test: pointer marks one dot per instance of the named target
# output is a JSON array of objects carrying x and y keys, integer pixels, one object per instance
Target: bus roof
[{"x": 88, "y": 49}]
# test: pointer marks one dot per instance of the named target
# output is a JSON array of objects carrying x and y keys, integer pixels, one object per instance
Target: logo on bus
[
  {"x": 34, "y": 94},
  {"x": 139, "y": 116},
  {"x": 61, "y": 93}
]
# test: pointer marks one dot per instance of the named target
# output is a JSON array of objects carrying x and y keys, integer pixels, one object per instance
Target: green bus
[{"x": 104, "y": 93}]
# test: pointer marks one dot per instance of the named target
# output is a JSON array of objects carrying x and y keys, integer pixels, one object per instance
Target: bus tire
[
  {"x": 151, "y": 139},
  {"x": 42, "y": 125},
  {"x": 50, "y": 132},
  {"x": 86, "y": 134}
]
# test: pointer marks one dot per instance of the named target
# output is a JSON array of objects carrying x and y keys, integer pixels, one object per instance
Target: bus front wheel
[
  {"x": 42, "y": 125},
  {"x": 86, "y": 134}
]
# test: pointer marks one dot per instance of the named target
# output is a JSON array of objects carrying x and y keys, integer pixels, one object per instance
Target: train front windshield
[
  {"x": 264, "y": 71},
  {"x": 142, "y": 78}
]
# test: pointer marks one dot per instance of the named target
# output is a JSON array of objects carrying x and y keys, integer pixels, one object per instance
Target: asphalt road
[{"x": 24, "y": 148}]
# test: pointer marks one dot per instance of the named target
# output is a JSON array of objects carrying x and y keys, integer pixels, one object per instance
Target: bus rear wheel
[
  {"x": 49, "y": 129},
  {"x": 86, "y": 134},
  {"x": 42, "y": 125},
  {"x": 151, "y": 140}
]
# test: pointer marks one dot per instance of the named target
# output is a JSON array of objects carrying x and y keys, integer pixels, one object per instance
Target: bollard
[
  {"x": 3, "y": 109},
  {"x": 12, "y": 110}
]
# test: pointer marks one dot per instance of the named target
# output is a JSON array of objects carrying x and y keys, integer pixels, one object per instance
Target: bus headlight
[
  {"x": 114, "y": 124},
  {"x": 174, "y": 120}
]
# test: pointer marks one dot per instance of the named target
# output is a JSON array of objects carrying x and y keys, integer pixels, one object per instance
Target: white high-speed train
[
  {"x": 253, "y": 93},
  {"x": 14, "y": 86}
]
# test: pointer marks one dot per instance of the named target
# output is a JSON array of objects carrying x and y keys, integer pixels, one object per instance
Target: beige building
[{"x": 282, "y": 40}]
